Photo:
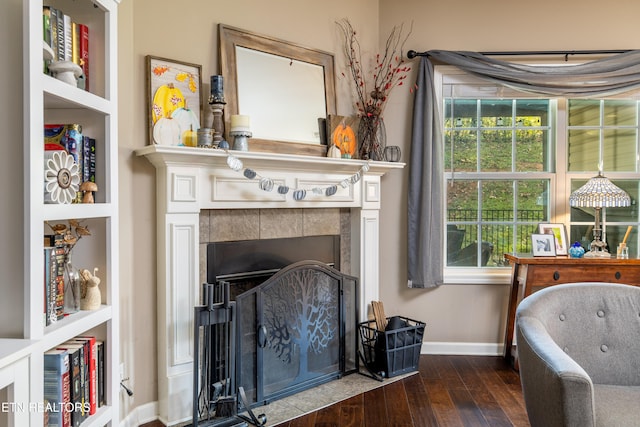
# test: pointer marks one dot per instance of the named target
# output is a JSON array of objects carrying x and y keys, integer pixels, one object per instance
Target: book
[
  {"x": 100, "y": 373},
  {"x": 59, "y": 266},
  {"x": 53, "y": 22},
  {"x": 57, "y": 387},
  {"x": 68, "y": 37},
  {"x": 75, "y": 43},
  {"x": 50, "y": 286},
  {"x": 83, "y": 52},
  {"x": 76, "y": 358},
  {"x": 91, "y": 379},
  {"x": 60, "y": 35}
]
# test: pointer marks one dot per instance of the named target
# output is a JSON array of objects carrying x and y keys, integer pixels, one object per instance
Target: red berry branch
[{"x": 389, "y": 70}]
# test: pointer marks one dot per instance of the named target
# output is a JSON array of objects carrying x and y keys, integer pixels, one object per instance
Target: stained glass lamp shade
[{"x": 599, "y": 193}]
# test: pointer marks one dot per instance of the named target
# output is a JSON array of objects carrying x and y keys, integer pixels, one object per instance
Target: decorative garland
[{"x": 267, "y": 184}]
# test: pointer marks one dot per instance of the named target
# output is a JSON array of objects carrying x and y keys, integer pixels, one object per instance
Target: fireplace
[
  {"x": 191, "y": 180},
  {"x": 296, "y": 316}
]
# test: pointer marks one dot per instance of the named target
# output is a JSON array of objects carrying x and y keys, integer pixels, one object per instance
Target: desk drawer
[{"x": 546, "y": 275}]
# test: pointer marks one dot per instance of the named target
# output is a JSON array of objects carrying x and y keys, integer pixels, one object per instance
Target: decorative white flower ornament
[{"x": 62, "y": 178}]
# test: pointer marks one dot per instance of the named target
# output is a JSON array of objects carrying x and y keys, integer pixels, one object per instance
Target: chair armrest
[{"x": 557, "y": 391}]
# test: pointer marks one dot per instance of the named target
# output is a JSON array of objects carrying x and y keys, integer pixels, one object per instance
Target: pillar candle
[
  {"x": 216, "y": 85},
  {"x": 239, "y": 122}
]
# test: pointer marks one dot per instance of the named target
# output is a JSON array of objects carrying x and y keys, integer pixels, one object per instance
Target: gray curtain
[{"x": 426, "y": 207}]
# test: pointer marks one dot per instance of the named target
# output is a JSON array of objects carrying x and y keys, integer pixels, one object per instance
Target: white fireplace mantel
[{"x": 191, "y": 179}]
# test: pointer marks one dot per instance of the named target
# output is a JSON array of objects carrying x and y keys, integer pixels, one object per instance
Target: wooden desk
[{"x": 529, "y": 273}]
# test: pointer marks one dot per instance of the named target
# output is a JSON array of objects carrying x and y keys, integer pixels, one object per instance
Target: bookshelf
[{"x": 49, "y": 100}]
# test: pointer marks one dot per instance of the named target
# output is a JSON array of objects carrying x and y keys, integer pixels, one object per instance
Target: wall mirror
[{"x": 283, "y": 87}]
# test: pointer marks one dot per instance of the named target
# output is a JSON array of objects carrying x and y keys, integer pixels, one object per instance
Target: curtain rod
[{"x": 412, "y": 53}]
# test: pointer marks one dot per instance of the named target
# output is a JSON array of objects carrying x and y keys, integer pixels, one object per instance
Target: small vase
[
  {"x": 71, "y": 288},
  {"x": 576, "y": 250},
  {"x": 371, "y": 138}
]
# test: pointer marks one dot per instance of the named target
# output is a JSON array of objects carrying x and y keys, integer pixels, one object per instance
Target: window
[{"x": 512, "y": 159}]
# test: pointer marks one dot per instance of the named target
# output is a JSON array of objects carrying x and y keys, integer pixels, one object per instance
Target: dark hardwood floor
[{"x": 448, "y": 391}]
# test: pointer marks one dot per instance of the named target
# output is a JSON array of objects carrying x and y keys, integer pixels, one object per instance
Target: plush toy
[{"x": 91, "y": 298}]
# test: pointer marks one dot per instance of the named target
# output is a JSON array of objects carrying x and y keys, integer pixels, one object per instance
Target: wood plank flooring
[
  {"x": 447, "y": 391},
  {"x": 451, "y": 391}
]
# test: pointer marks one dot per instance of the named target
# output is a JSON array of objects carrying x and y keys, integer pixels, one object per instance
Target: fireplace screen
[{"x": 295, "y": 331}]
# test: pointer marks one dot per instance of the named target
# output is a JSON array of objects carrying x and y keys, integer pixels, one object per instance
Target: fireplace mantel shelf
[{"x": 161, "y": 156}]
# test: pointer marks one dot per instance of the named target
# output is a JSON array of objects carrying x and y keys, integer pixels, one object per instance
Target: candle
[
  {"x": 216, "y": 86},
  {"x": 239, "y": 122}
]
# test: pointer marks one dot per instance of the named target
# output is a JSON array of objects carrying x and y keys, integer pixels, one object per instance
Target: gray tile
[
  {"x": 234, "y": 224},
  {"x": 276, "y": 223},
  {"x": 321, "y": 221}
]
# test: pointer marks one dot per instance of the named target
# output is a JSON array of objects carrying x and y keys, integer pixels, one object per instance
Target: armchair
[{"x": 579, "y": 355}]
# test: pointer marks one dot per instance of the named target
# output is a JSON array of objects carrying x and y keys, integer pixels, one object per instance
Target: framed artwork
[
  {"x": 341, "y": 132},
  {"x": 543, "y": 245},
  {"x": 560, "y": 233},
  {"x": 174, "y": 101}
]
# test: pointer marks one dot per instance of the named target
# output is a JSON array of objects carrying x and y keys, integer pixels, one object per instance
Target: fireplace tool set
[{"x": 215, "y": 402}]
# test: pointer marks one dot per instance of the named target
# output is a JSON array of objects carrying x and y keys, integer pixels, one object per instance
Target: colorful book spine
[
  {"x": 50, "y": 286},
  {"x": 68, "y": 37},
  {"x": 60, "y": 261},
  {"x": 57, "y": 392},
  {"x": 77, "y": 394},
  {"x": 91, "y": 358},
  {"x": 60, "y": 35},
  {"x": 53, "y": 20},
  {"x": 83, "y": 52},
  {"x": 100, "y": 369}
]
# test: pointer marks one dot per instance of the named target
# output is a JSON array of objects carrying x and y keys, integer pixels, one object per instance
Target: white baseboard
[
  {"x": 141, "y": 415},
  {"x": 463, "y": 348}
]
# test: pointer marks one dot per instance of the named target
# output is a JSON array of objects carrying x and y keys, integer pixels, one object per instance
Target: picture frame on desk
[
  {"x": 560, "y": 234},
  {"x": 174, "y": 100},
  {"x": 543, "y": 245}
]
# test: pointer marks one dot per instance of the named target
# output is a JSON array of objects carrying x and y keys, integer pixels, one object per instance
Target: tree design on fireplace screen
[{"x": 296, "y": 330}]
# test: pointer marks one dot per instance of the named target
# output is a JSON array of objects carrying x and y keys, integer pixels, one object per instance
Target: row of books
[
  {"x": 74, "y": 381},
  {"x": 82, "y": 148},
  {"x": 68, "y": 40}
]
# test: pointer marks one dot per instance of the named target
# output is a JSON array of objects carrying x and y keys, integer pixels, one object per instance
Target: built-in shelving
[{"x": 49, "y": 100}]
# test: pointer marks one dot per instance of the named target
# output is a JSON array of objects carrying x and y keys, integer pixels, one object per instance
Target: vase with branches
[
  {"x": 373, "y": 87},
  {"x": 69, "y": 235}
]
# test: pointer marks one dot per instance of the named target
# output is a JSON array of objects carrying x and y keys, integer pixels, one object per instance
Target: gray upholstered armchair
[{"x": 579, "y": 355}]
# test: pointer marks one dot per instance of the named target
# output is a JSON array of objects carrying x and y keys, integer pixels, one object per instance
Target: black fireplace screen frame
[{"x": 302, "y": 323}]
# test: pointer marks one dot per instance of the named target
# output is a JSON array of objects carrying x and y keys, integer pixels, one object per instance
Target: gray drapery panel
[
  {"x": 426, "y": 202},
  {"x": 426, "y": 206}
]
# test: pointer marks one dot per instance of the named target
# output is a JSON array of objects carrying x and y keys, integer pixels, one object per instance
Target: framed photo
[
  {"x": 174, "y": 101},
  {"x": 543, "y": 244},
  {"x": 560, "y": 233}
]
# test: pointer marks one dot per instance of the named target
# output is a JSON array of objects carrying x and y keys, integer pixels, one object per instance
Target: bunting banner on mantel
[{"x": 267, "y": 184}]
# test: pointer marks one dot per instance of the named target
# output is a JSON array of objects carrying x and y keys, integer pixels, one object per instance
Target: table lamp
[{"x": 599, "y": 193}]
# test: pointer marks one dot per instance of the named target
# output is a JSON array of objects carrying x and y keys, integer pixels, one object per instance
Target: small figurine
[
  {"x": 88, "y": 188},
  {"x": 91, "y": 298}
]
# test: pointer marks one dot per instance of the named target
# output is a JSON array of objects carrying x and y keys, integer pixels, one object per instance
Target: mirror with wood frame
[{"x": 286, "y": 89}]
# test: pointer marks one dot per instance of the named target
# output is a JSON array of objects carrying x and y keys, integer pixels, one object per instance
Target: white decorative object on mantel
[{"x": 189, "y": 180}]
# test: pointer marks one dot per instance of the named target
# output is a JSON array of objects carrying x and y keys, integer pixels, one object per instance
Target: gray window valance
[{"x": 426, "y": 206}]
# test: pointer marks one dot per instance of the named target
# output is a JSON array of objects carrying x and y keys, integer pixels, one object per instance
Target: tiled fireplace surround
[{"x": 201, "y": 200}]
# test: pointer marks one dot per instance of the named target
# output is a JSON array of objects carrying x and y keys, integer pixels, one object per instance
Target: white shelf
[{"x": 48, "y": 100}]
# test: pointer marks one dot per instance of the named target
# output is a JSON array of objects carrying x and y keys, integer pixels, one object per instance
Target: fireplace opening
[
  {"x": 295, "y": 322},
  {"x": 245, "y": 264}
]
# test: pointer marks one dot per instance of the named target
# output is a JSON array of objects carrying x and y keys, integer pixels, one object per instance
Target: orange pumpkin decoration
[{"x": 344, "y": 138}]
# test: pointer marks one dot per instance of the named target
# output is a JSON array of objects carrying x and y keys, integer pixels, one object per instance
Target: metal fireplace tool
[{"x": 215, "y": 402}]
